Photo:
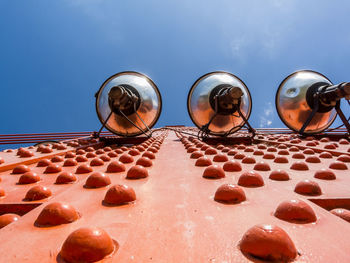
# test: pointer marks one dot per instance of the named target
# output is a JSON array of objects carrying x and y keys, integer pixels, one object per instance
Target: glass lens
[
  {"x": 292, "y": 106},
  {"x": 199, "y": 106},
  {"x": 149, "y": 110}
]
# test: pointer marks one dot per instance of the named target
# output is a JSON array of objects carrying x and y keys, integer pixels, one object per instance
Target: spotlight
[
  {"x": 128, "y": 104},
  {"x": 219, "y": 103},
  {"x": 307, "y": 102}
]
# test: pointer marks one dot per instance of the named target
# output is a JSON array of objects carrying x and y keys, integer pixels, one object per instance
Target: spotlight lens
[
  {"x": 292, "y": 106},
  {"x": 149, "y": 108},
  {"x": 199, "y": 107}
]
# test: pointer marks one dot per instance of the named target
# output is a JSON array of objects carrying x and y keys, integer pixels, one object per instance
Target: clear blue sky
[{"x": 54, "y": 55}]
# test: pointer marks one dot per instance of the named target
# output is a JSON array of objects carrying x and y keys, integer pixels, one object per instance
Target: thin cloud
[{"x": 266, "y": 117}]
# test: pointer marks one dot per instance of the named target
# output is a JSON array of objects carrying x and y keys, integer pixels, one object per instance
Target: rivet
[
  {"x": 282, "y": 146},
  {"x": 97, "y": 162},
  {"x": 81, "y": 159},
  {"x": 70, "y": 162},
  {"x": 298, "y": 156},
  {"x": 269, "y": 156},
  {"x": 152, "y": 149},
  {"x": 239, "y": 156},
  {"x": 2, "y": 160},
  {"x": 214, "y": 172},
  {"x": 343, "y": 141},
  {"x": 69, "y": 155},
  {"x": 89, "y": 149},
  {"x": 205, "y": 147},
  {"x": 312, "y": 159},
  {"x": 83, "y": 169},
  {"x": 112, "y": 154},
  {"x": 299, "y": 166},
  {"x": 144, "y": 161},
  {"x": 330, "y": 146},
  {"x": 295, "y": 211},
  {"x": 115, "y": 167},
  {"x": 294, "y": 149},
  {"x": 271, "y": 149},
  {"x": 189, "y": 145},
  {"x": 283, "y": 152},
  {"x": 210, "y": 151},
  {"x": 80, "y": 152},
  {"x": 258, "y": 152},
  {"x": 105, "y": 158},
  {"x": 140, "y": 148},
  {"x": 57, "y": 159},
  {"x": 91, "y": 155},
  {"x": 344, "y": 158},
  {"x": 248, "y": 159},
  {"x": 280, "y": 159},
  {"x": 325, "y": 139},
  {"x": 87, "y": 245},
  {"x": 308, "y": 187},
  {"x": 43, "y": 163},
  {"x": 338, "y": 165},
  {"x": 100, "y": 151},
  {"x": 107, "y": 149},
  {"x": 26, "y": 153},
  {"x": 53, "y": 168},
  {"x": 203, "y": 161},
  {"x": 295, "y": 141},
  {"x": 20, "y": 169},
  {"x": 279, "y": 175},
  {"x": 229, "y": 194},
  {"x": 232, "y": 166},
  {"x": 191, "y": 149},
  {"x": 196, "y": 155},
  {"x": 268, "y": 242},
  {"x": 262, "y": 166},
  {"x": 231, "y": 152},
  {"x": 262, "y": 146},
  {"x": 7, "y": 219},
  {"x": 56, "y": 214},
  {"x": 312, "y": 144},
  {"x": 220, "y": 157},
  {"x": 38, "y": 192},
  {"x": 248, "y": 149},
  {"x": 134, "y": 152},
  {"x": 225, "y": 149},
  {"x": 29, "y": 178},
  {"x": 46, "y": 150},
  {"x": 308, "y": 151},
  {"x": 119, "y": 195},
  {"x": 342, "y": 213},
  {"x": 250, "y": 179},
  {"x": 118, "y": 151},
  {"x": 310, "y": 138},
  {"x": 137, "y": 172},
  {"x": 325, "y": 174},
  {"x": 65, "y": 178},
  {"x": 150, "y": 155},
  {"x": 220, "y": 147},
  {"x": 97, "y": 180},
  {"x": 326, "y": 155},
  {"x": 126, "y": 158},
  {"x": 2, "y": 192},
  {"x": 241, "y": 147}
]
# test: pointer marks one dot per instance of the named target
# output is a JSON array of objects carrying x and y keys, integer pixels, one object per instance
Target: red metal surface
[{"x": 183, "y": 212}]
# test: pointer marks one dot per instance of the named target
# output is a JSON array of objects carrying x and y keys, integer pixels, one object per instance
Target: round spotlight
[
  {"x": 128, "y": 103},
  {"x": 294, "y": 102},
  {"x": 217, "y": 101}
]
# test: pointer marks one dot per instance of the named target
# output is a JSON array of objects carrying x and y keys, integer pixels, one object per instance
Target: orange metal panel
[{"x": 175, "y": 217}]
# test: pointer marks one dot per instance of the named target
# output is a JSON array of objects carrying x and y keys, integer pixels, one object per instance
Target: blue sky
[{"x": 54, "y": 55}]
